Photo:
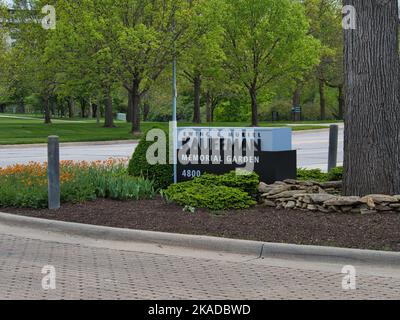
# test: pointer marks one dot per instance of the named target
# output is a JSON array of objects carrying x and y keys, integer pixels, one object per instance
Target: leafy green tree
[
  {"x": 326, "y": 17},
  {"x": 31, "y": 66},
  {"x": 203, "y": 59},
  {"x": 81, "y": 49},
  {"x": 148, "y": 36},
  {"x": 265, "y": 41}
]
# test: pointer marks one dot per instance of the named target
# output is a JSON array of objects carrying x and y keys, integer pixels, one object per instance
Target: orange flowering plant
[{"x": 25, "y": 185}]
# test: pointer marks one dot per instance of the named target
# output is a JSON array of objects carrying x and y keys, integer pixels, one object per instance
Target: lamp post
[
  {"x": 174, "y": 112},
  {"x": 174, "y": 117}
]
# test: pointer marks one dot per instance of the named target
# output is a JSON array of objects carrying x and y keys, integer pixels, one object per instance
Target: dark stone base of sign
[
  {"x": 272, "y": 167},
  {"x": 277, "y": 166}
]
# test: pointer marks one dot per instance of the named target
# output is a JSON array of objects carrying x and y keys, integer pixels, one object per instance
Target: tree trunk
[
  {"x": 70, "y": 108},
  {"x": 341, "y": 102},
  {"x": 372, "y": 87},
  {"x": 90, "y": 109},
  {"x": 146, "y": 110},
  {"x": 21, "y": 105},
  {"x": 197, "y": 97},
  {"x": 130, "y": 108},
  {"x": 109, "y": 119},
  {"x": 53, "y": 105},
  {"x": 98, "y": 111},
  {"x": 213, "y": 107},
  {"x": 46, "y": 106},
  {"x": 297, "y": 102},
  {"x": 2, "y": 108},
  {"x": 209, "y": 107},
  {"x": 95, "y": 110},
  {"x": 254, "y": 106},
  {"x": 322, "y": 101},
  {"x": 62, "y": 108},
  {"x": 135, "y": 107},
  {"x": 83, "y": 107}
]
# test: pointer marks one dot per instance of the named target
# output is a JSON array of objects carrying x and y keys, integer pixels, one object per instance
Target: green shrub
[
  {"x": 160, "y": 174},
  {"x": 335, "y": 174},
  {"x": 247, "y": 182},
  {"x": 216, "y": 192},
  {"x": 311, "y": 174},
  {"x": 213, "y": 197}
]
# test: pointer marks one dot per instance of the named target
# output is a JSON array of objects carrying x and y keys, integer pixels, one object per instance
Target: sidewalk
[{"x": 87, "y": 268}]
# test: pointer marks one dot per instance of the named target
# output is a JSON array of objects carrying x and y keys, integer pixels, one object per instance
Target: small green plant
[
  {"x": 189, "y": 209},
  {"x": 160, "y": 174}
]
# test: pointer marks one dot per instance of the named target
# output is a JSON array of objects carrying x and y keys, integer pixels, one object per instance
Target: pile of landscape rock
[{"x": 324, "y": 197}]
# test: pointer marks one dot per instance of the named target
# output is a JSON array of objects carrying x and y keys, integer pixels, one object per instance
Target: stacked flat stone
[{"x": 323, "y": 197}]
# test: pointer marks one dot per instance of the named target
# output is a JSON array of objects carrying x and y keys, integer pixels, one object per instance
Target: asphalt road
[
  {"x": 40, "y": 265},
  {"x": 312, "y": 149}
]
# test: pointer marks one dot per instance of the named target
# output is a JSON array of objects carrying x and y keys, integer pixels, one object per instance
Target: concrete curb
[
  {"x": 118, "y": 234},
  {"x": 69, "y": 144},
  {"x": 253, "y": 248}
]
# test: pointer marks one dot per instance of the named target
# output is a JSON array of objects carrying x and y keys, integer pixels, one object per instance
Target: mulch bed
[{"x": 372, "y": 231}]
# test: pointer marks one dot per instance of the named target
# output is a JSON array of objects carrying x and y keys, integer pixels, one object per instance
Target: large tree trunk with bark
[
  {"x": 372, "y": 108},
  {"x": 254, "y": 106},
  {"x": 197, "y": 98},
  {"x": 109, "y": 119},
  {"x": 322, "y": 100},
  {"x": 136, "y": 106}
]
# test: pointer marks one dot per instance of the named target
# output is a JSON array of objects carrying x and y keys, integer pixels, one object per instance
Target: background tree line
[{"x": 237, "y": 60}]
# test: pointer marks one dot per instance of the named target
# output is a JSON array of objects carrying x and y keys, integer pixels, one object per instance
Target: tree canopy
[{"x": 114, "y": 54}]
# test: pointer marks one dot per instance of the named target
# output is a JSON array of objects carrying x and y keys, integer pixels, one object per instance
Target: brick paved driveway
[{"x": 87, "y": 272}]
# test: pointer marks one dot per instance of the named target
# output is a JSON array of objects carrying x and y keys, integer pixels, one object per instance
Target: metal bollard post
[
  {"x": 53, "y": 172},
  {"x": 333, "y": 146}
]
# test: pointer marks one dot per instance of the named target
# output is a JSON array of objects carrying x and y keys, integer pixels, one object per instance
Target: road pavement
[
  {"x": 35, "y": 264},
  {"x": 313, "y": 146},
  {"x": 312, "y": 149}
]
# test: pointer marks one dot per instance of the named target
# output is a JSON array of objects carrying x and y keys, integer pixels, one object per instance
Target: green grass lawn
[{"x": 26, "y": 131}]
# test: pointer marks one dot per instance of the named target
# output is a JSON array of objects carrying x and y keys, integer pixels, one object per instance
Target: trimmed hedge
[
  {"x": 160, "y": 174},
  {"x": 196, "y": 195},
  {"x": 215, "y": 192},
  {"x": 247, "y": 183}
]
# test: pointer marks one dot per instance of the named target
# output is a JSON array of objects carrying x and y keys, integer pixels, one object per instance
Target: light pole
[
  {"x": 174, "y": 103},
  {"x": 174, "y": 117}
]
